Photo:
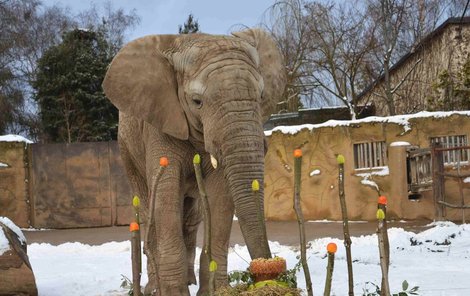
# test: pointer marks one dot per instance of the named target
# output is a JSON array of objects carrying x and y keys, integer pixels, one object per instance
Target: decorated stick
[
  {"x": 347, "y": 239},
  {"x": 255, "y": 189},
  {"x": 207, "y": 223},
  {"x": 153, "y": 189},
  {"x": 385, "y": 291},
  {"x": 331, "y": 249},
  {"x": 138, "y": 240},
  {"x": 382, "y": 204},
  {"x": 135, "y": 253},
  {"x": 300, "y": 218}
]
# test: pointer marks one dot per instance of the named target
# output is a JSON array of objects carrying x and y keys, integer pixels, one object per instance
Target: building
[{"x": 445, "y": 50}]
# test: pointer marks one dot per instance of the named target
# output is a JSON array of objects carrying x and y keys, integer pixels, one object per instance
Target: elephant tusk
[{"x": 213, "y": 162}]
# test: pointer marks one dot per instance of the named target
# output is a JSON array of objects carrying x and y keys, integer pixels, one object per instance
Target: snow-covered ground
[{"x": 437, "y": 260}]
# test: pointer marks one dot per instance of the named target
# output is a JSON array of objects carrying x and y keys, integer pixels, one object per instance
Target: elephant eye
[{"x": 197, "y": 102}]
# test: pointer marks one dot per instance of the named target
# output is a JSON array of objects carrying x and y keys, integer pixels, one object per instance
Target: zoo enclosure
[
  {"x": 85, "y": 185},
  {"x": 64, "y": 185}
]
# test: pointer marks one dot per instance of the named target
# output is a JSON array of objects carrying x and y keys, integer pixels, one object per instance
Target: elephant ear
[
  {"x": 141, "y": 82},
  {"x": 271, "y": 67}
]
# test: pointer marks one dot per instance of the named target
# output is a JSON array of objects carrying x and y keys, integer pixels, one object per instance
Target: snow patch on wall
[
  {"x": 377, "y": 171},
  {"x": 315, "y": 173},
  {"x": 14, "y": 138},
  {"x": 4, "y": 245},
  {"x": 3, "y": 165},
  {"x": 370, "y": 183},
  {"x": 395, "y": 144},
  {"x": 466, "y": 180},
  {"x": 402, "y": 120}
]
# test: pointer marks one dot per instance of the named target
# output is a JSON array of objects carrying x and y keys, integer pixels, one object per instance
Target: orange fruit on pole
[
  {"x": 134, "y": 226},
  {"x": 382, "y": 200},
  {"x": 163, "y": 161},
  {"x": 331, "y": 248},
  {"x": 297, "y": 153}
]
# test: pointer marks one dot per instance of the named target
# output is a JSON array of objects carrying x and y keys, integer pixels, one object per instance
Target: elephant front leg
[
  {"x": 192, "y": 219},
  {"x": 166, "y": 244}
]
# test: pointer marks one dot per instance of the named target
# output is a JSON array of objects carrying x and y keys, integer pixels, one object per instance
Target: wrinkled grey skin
[{"x": 184, "y": 94}]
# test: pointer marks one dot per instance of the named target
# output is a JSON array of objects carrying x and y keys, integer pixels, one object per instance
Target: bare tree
[
  {"x": 28, "y": 29},
  {"x": 340, "y": 56},
  {"x": 113, "y": 23},
  {"x": 286, "y": 22}
]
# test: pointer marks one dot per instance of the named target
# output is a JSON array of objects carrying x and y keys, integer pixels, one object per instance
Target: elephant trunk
[{"x": 242, "y": 150}]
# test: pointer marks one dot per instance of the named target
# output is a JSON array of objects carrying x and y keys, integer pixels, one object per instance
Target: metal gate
[{"x": 419, "y": 169}]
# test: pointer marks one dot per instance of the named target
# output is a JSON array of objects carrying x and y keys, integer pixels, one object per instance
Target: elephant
[{"x": 179, "y": 95}]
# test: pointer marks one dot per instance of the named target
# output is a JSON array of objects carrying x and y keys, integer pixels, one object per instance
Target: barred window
[
  {"x": 452, "y": 157},
  {"x": 370, "y": 155}
]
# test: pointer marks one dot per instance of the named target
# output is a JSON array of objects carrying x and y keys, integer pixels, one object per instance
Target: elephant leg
[
  {"x": 168, "y": 250},
  {"x": 192, "y": 218},
  {"x": 151, "y": 287},
  {"x": 221, "y": 207}
]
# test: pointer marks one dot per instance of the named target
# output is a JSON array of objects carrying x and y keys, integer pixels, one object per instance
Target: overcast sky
[{"x": 164, "y": 16}]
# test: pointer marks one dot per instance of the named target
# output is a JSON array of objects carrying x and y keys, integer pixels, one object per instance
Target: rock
[{"x": 16, "y": 274}]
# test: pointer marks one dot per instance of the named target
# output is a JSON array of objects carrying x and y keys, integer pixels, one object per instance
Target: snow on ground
[{"x": 437, "y": 260}]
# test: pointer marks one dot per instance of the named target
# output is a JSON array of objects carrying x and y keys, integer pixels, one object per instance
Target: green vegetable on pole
[
  {"x": 207, "y": 223},
  {"x": 347, "y": 238},
  {"x": 300, "y": 218}
]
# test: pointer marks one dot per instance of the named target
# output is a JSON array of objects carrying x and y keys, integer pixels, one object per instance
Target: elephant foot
[
  {"x": 150, "y": 289},
  {"x": 165, "y": 290}
]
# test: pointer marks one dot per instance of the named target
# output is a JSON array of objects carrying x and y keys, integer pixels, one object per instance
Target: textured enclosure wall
[
  {"x": 85, "y": 184},
  {"x": 78, "y": 185},
  {"x": 14, "y": 198},
  {"x": 319, "y": 193}
]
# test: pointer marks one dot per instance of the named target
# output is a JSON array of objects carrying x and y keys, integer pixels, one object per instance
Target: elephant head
[{"x": 214, "y": 91}]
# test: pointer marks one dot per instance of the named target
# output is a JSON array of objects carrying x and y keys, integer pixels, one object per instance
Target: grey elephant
[{"x": 179, "y": 95}]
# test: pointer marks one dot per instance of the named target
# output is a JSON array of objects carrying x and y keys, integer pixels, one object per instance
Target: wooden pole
[
  {"x": 135, "y": 254},
  {"x": 382, "y": 232},
  {"x": 385, "y": 291},
  {"x": 438, "y": 179},
  {"x": 344, "y": 211},
  {"x": 331, "y": 249},
  {"x": 207, "y": 223},
  {"x": 300, "y": 218},
  {"x": 255, "y": 189}
]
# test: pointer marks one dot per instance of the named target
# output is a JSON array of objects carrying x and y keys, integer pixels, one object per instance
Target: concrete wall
[{"x": 320, "y": 192}]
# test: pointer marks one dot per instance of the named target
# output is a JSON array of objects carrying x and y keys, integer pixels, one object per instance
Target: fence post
[{"x": 438, "y": 179}]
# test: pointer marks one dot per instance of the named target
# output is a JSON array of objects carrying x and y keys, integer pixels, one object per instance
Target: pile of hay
[{"x": 242, "y": 290}]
